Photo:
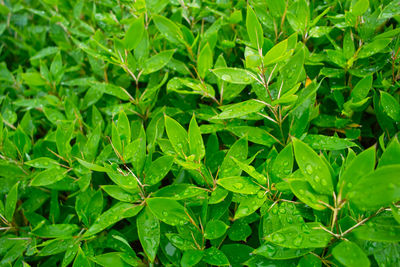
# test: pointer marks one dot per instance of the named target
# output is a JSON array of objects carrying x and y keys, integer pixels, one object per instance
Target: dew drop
[
  {"x": 238, "y": 186},
  {"x": 271, "y": 250},
  {"x": 309, "y": 169},
  {"x": 278, "y": 238},
  {"x": 317, "y": 179},
  {"x": 324, "y": 182},
  {"x": 285, "y": 163},
  {"x": 165, "y": 213},
  {"x": 226, "y": 77},
  {"x": 297, "y": 241},
  {"x": 260, "y": 194}
]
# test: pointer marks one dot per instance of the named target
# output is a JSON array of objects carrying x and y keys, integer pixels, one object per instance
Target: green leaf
[
  {"x": 48, "y": 177},
  {"x": 362, "y": 164},
  {"x": 238, "y": 151},
  {"x": 118, "y": 193},
  {"x": 275, "y": 252},
  {"x": 168, "y": 210},
  {"x": 158, "y": 169},
  {"x": 250, "y": 170},
  {"x": 81, "y": 259},
  {"x": 378, "y": 189},
  {"x": 324, "y": 142},
  {"x": 349, "y": 254},
  {"x": 254, "y": 29},
  {"x": 348, "y": 45},
  {"x": 191, "y": 257},
  {"x": 92, "y": 166},
  {"x": 204, "y": 61},
  {"x": 113, "y": 215},
  {"x": 362, "y": 88},
  {"x": 178, "y": 137},
  {"x": 110, "y": 259},
  {"x": 276, "y": 53},
  {"x": 303, "y": 191},
  {"x": 391, "y": 155},
  {"x": 134, "y": 34},
  {"x": 374, "y": 47},
  {"x": 234, "y": 75},
  {"x": 381, "y": 229},
  {"x": 11, "y": 202},
  {"x": 179, "y": 191},
  {"x": 215, "y": 229},
  {"x": 300, "y": 236},
  {"x": 239, "y": 184},
  {"x": 239, "y": 109},
  {"x": 149, "y": 233},
  {"x": 124, "y": 128},
  {"x": 169, "y": 29},
  {"x": 216, "y": 257},
  {"x": 56, "y": 230},
  {"x": 359, "y": 7},
  {"x": 314, "y": 168},
  {"x": 157, "y": 62},
  {"x": 390, "y": 106},
  {"x": 250, "y": 204},
  {"x": 196, "y": 144},
  {"x": 283, "y": 163}
]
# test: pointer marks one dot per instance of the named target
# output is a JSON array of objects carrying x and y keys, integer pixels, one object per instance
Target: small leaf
[
  {"x": 113, "y": 215},
  {"x": 158, "y": 169},
  {"x": 254, "y": 29},
  {"x": 362, "y": 164},
  {"x": 378, "y": 189},
  {"x": 178, "y": 137},
  {"x": 157, "y": 62},
  {"x": 275, "y": 252},
  {"x": 234, "y": 75},
  {"x": 315, "y": 169},
  {"x": 215, "y": 229},
  {"x": 250, "y": 170},
  {"x": 317, "y": 142},
  {"x": 81, "y": 259},
  {"x": 390, "y": 106},
  {"x": 349, "y": 254},
  {"x": 204, "y": 61},
  {"x": 191, "y": 257},
  {"x": 118, "y": 193},
  {"x": 168, "y": 210},
  {"x": 56, "y": 230},
  {"x": 169, "y": 29},
  {"x": 300, "y": 236},
  {"x": 303, "y": 191},
  {"x": 239, "y": 184},
  {"x": 196, "y": 143},
  {"x": 216, "y": 257},
  {"x": 240, "y": 109},
  {"x": 48, "y": 177},
  {"x": 134, "y": 34},
  {"x": 391, "y": 155},
  {"x": 149, "y": 232},
  {"x": 380, "y": 229},
  {"x": 11, "y": 202},
  {"x": 238, "y": 151},
  {"x": 276, "y": 53},
  {"x": 359, "y": 7},
  {"x": 374, "y": 47},
  {"x": 362, "y": 88}
]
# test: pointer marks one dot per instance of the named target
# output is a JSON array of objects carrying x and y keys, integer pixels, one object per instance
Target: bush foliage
[{"x": 199, "y": 133}]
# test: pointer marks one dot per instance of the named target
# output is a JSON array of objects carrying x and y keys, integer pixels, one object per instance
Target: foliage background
[{"x": 182, "y": 133}]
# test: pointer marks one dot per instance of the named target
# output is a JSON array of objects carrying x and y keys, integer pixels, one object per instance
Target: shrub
[{"x": 195, "y": 133}]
